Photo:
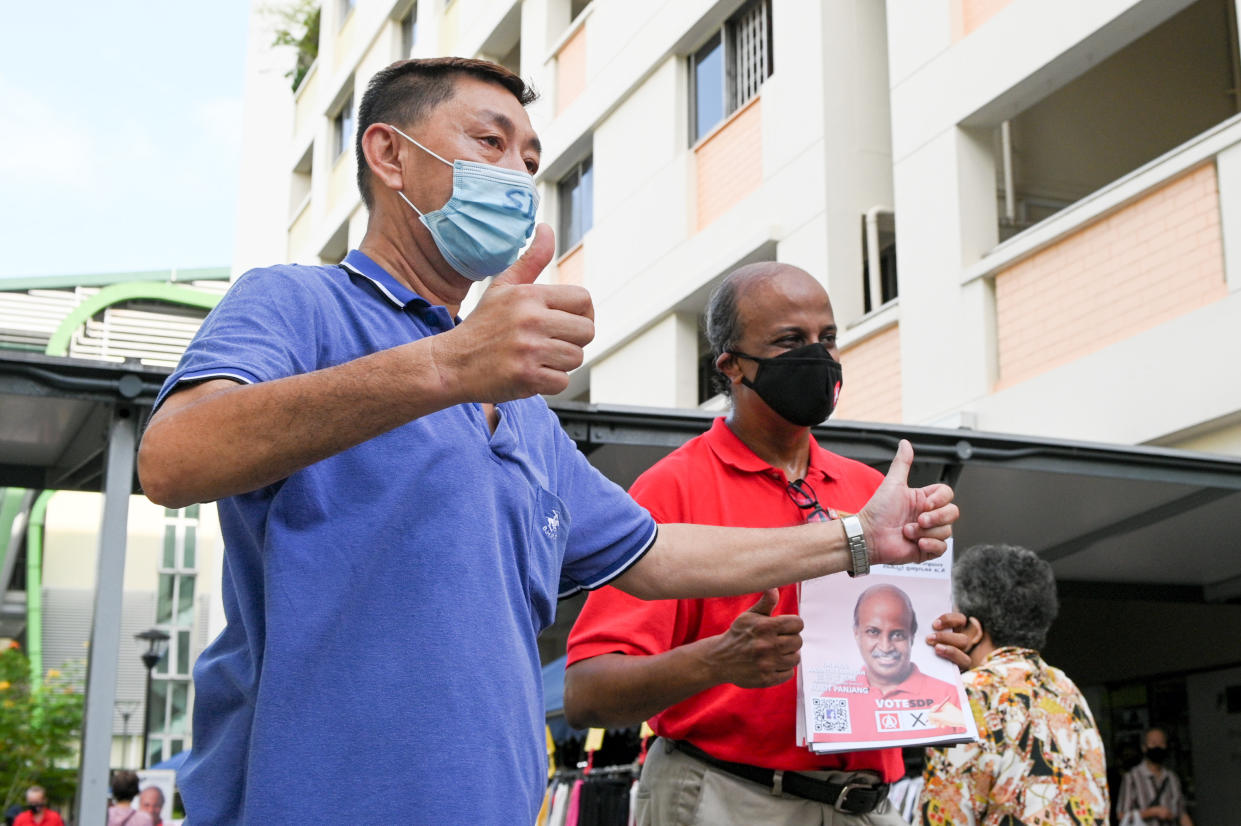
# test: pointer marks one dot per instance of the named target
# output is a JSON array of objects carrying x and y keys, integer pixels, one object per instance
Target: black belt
[{"x": 860, "y": 793}]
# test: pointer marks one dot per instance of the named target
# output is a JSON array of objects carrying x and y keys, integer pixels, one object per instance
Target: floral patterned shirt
[{"x": 1040, "y": 762}]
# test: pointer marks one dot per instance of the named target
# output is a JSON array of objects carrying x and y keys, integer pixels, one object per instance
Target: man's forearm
[
  {"x": 900, "y": 525},
  {"x": 622, "y": 690},
  {"x": 693, "y": 561},
  {"x": 219, "y": 439}
]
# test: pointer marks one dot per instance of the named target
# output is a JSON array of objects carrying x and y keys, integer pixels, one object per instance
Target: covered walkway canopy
[{"x": 1119, "y": 516}]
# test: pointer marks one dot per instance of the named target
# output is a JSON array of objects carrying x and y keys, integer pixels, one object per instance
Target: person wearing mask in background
[
  {"x": 1150, "y": 794},
  {"x": 713, "y": 675},
  {"x": 37, "y": 813},
  {"x": 1040, "y": 761}
]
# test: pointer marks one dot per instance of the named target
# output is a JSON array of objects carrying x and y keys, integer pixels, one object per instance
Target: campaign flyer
[{"x": 867, "y": 678}]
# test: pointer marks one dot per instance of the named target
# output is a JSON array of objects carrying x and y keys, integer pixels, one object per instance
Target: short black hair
[
  {"x": 1010, "y": 590},
  {"x": 124, "y": 785},
  {"x": 406, "y": 92}
]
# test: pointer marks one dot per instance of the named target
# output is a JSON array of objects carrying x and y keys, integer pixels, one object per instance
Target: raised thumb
[
  {"x": 899, "y": 470},
  {"x": 766, "y": 603},
  {"x": 532, "y": 262}
]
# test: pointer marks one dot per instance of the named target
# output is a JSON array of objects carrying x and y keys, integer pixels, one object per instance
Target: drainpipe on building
[
  {"x": 34, "y": 588},
  {"x": 1006, "y": 152}
]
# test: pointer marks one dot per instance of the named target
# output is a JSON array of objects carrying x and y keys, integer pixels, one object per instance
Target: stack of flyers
[{"x": 868, "y": 679}]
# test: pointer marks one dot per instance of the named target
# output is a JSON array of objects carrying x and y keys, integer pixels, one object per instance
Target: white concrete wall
[
  {"x": 657, "y": 369},
  {"x": 825, "y": 159},
  {"x": 946, "y": 99},
  {"x": 71, "y": 544}
]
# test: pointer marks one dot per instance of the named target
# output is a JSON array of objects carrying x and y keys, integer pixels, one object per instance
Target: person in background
[
  {"x": 1040, "y": 761},
  {"x": 151, "y": 801},
  {"x": 1150, "y": 794},
  {"x": 122, "y": 811},
  {"x": 37, "y": 813}
]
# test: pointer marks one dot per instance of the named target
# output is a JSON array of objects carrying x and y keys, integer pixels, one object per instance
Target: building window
[
  {"x": 409, "y": 31},
  {"x": 345, "y": 8},
  {"x": 878, "y": 242},
  {"x": 727, "y": 70},
  {"x": 168, "y": 715},
  {"x": 576, "y": 7},
  {"x": 342, "y": 128},
  {"x": 708, "y": 383},
  {"x": 576, "y": 198}
]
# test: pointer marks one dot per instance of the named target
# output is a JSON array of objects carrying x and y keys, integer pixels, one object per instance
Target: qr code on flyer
[{"x": 831, "y": 715}]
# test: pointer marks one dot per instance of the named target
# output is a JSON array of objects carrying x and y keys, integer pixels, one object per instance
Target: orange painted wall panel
[
  {"x": 1157, "y": 258},
  {"x": 730, "y": 163},
  {"x": 871, "y": 391},
  {"x": 571, "y": 269},
  {"x": 968, "y": 15},
  {"x": 571, "y": 69}
]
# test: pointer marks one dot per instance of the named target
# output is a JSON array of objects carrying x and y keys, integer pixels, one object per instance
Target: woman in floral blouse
[{"x": 1040, "y": 761}]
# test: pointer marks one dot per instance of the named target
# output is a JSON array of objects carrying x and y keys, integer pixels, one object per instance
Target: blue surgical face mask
[{"x": 486, "y": 222}]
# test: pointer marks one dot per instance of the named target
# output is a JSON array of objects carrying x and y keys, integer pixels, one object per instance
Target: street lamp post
[
  {"x": 126, "y": 708},
  {"x": 157, "y": 645}
]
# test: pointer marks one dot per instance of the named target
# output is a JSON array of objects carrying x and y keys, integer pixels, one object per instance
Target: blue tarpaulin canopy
[
  {"x": 553, "y": 702},
  {"x": 175, "y": 762}
]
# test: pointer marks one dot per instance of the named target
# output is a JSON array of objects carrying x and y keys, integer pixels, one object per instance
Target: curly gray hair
[{"x": 1010, "y": 589}]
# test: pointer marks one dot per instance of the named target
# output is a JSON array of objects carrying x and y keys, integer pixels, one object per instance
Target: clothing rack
[{"x": 595, "y": 779}]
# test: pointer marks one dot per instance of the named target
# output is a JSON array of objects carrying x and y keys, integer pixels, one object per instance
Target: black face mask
[
  {"x": 801, "y": 385},
  {"x": 35, "y": 807},
  {"x": 1157, "y": 755}
]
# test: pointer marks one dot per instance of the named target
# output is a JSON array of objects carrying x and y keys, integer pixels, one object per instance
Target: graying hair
[
  {"x": 723, "y": 329},
  {"x": 722, "y": 323},
  {"x": 1010, "y": 589}
]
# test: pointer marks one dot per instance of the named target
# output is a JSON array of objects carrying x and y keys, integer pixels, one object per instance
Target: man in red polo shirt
[{"x": 712, "y": 675}]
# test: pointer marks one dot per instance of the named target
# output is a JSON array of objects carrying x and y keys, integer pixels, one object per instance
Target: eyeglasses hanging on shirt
[{"x": 803, "y": 495}]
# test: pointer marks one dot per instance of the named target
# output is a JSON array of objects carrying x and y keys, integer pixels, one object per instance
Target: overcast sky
[{"x": 119, "y": 134}]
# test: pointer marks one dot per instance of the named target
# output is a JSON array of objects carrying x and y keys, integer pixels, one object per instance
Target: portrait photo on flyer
[{"x": 868, "y": 679}]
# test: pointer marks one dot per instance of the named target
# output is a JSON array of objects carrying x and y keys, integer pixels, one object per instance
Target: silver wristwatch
[{"x": 857, "y": 546}]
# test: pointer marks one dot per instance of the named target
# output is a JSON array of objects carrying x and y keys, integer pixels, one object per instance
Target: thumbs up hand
[
  {"x": 758, "y": 649},
  {"x": 903, "y": 524},
  {"x": 522, "y": 338}
]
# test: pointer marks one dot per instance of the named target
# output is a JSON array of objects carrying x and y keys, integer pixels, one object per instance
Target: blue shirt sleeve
[
  {"x": 610, "y": 531},
  {"x": 262, "y": 329}
]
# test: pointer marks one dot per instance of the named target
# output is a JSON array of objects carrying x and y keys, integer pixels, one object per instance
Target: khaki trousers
[{"x": 678, "y": 790}]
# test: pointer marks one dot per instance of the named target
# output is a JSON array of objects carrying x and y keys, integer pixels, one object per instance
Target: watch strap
[{"x": 857, "y": 546}]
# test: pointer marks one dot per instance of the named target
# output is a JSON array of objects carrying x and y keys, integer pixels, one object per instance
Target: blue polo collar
[{"x": 361, "y": 264}]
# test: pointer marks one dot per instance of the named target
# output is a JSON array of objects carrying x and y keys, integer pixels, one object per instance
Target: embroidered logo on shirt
[{"x": 552, "y": 528}]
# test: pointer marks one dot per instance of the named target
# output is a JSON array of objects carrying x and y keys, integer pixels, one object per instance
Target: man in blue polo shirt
[{"x": 401, "y": 510}]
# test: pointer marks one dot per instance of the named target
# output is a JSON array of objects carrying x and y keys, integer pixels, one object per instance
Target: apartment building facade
[{"x": 1027, "y": 213}]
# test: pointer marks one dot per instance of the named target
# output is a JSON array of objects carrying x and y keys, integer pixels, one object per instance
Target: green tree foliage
[
  {"x": 297, "y": 25},
  {"x": 40, "y": 729}
]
